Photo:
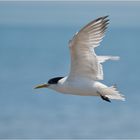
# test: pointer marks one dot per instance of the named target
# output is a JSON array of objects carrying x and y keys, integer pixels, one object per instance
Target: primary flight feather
[{"x": 86, "y": 67}]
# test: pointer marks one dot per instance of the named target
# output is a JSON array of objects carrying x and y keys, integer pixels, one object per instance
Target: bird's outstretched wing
[{"x": 84, "y": 62}]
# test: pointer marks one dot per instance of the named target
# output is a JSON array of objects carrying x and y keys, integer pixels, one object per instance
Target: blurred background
[{"x": 34, "y": 48}]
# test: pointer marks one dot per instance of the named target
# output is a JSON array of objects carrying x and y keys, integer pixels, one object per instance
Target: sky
[
  {"x": 27, "y": 58},
  {"x": 31, "y": 56},
  {"x": 122, "y": 14}
]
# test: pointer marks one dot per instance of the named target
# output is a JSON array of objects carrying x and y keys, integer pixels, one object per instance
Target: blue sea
[{"x": 32, "y": 53}]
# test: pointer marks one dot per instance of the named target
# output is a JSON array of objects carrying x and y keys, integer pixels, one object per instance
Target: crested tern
[{"x": 86, "y": 67}]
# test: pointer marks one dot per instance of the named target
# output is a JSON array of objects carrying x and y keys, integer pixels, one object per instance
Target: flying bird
[{"x": 86, "y": 67}]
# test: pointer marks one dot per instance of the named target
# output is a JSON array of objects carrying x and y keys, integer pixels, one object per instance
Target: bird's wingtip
[{"x": 106, "y": 16}]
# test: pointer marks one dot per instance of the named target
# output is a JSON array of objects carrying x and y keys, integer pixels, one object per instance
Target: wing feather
[{"x": 84, "y": 62}]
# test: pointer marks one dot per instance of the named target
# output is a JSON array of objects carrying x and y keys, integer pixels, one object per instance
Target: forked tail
[{"x": 111, "y": 93}]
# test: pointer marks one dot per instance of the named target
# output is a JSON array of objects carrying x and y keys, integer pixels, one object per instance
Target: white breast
[{"x": 83, "y": 87}]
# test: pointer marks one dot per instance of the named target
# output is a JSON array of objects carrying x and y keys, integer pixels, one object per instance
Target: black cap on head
[{"x": 54, "y": 80}]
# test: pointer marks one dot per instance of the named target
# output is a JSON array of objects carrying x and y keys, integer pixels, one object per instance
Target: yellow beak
[{"x": 42, "y": 86}]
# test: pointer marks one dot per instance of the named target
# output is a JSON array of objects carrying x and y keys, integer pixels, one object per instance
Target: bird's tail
[{"x": 111, "y": 93}]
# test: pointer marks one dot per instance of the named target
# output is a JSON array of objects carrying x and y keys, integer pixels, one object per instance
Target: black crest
[{"x": 54, "y": 80}]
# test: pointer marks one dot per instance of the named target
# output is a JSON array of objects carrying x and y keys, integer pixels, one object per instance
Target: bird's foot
[{"x": 105, "y": 98}]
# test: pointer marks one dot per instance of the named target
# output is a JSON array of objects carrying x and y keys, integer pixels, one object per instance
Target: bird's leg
[{"x": 104, "y": 97}]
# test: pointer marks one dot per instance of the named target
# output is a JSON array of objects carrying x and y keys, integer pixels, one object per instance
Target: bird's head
[{"x": 52, "y": 81}]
